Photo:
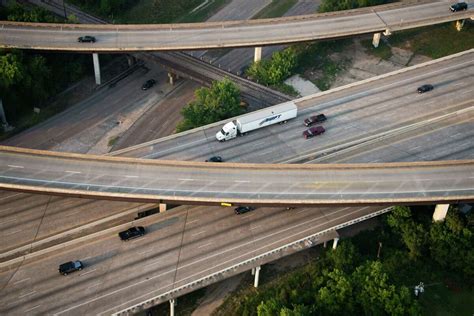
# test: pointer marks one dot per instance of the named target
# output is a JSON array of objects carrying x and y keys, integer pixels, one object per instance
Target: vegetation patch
[
  {"x": 276, "y": 8},
  {"x": 152, "y": 11},
  {"x": 113, "y": 140},
  {"x": 384, "y": 51},
  {"x": 219, "y": 102},
  {"x": 338, "y": 5},
  {"x": 435, "y": 41}
]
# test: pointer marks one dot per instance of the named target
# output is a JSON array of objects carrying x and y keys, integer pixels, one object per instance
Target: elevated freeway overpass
[
  {"x": 148, "y": 181},
  {"x": 133, "y": 38}
]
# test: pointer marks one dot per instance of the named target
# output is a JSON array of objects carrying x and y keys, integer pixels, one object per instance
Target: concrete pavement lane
[{"x": 177, "y": 249}]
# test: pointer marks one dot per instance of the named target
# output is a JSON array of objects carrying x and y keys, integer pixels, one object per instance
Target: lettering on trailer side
[{"x": 269, "y": 119}]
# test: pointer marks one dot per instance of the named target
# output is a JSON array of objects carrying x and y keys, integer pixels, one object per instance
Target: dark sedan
[
  {"x": 243, "y": 209},
  {"x": 460, "y": 6},
  {"x": 131, "y": 233},
  {"x": 314, "y": 119},
  {"x": 313, "y": 131},
  {"x": 215, "y": 159},
  {"x": 86, "y": 39},
  {"x": 148, "y": 84},
  {"x": 424, "y": 88}
]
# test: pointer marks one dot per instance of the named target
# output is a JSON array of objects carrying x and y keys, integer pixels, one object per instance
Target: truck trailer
[{"x": 243, "y": 124}]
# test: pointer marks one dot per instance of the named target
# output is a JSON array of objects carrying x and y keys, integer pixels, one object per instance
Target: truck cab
[{"x": 227, "y": 132}]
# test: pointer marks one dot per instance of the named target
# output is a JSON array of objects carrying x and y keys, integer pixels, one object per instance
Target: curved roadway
[
  {"x": 195, "y": 182},
  {"x": 112, "y": 38}
]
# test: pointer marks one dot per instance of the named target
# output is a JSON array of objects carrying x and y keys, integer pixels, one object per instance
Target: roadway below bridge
[
  {"x": 449, "y": 137},
  {"x": 133, "y": 38}
]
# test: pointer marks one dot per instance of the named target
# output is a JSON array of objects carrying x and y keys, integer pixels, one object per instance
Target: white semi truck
[{"x": 258, "y": 119}]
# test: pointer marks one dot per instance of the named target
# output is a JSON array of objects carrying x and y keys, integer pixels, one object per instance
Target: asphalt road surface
[{"x": 393, "y": 17}]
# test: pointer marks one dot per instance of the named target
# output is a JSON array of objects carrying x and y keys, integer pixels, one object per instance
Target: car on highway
[
  {"x": 215, "y": 159},
  {"x": 243, "y": 209},
  {"x": 70, "y": 266},
  {"x": 86, "y": 39},
  {"x": 425, "y": 88},
  {"x": 132, "y": 232},
  {"x": 148, "y": 84},
  {"x": 314, "y": 119},
  {"x": 313, "y": 131},
  {"x": 460, "y": 6}
]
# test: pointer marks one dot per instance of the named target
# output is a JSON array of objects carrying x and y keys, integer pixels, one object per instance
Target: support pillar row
[
  {"x": 258, "y": 54},
  {"x": 95, "y": 58},
  {"x": 440, "y": 212}
]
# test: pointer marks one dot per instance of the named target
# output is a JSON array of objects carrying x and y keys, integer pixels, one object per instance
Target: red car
[
  {"x": 313, "y": 131},
  {"x": 314, "y": 119}
]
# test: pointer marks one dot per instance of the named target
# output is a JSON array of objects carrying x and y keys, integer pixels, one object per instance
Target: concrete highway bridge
[
  {"x": 138, "y": 38},
  {"x": 174, "y": 182}
]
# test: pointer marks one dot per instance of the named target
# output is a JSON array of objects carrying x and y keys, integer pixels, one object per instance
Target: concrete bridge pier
[
  {"x": 131, "y": 60},
  {"x": 334, "y": 242},
  {"x": 256, "y": 272},
  {"x": 172, "y": 305},
  {"x": 172, "y": 78},
  {"x": 162, "y": 207},
  {"x": 440, "y": 212},
  {"x": 376, "y": 39},
  {"x": 258, "y": 54},
  {"x": 459, "y": 25},
  {"x": 95, "y": 58}
]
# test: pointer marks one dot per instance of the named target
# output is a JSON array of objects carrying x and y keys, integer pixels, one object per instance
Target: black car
[
  {"x": 314, "y": 119},
  {"x": 460, "y": 6},
  {"x": 148, "y": 84},
  {"x": 70, "y": 266},
  {"x": 424, "y": 88},
  {"x": 133, "y": 232},
  {"x": 243, "y": 209},
  {"x": 215, "y": 159},
  {"x": 86, "y": 39}
]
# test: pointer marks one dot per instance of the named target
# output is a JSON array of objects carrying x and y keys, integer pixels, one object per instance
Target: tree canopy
[{"x": 220, "y": 101}]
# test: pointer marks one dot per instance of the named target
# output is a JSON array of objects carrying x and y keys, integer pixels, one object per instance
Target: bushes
[
  {"x": 338, "y": 5},
  {"x": 273, "y": 71}
]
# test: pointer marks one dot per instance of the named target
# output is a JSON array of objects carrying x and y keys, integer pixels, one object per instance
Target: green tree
[
  {"x": 12, "y": 70},
  {"x": 413, "y": 234},
  {"x": 273, "y": 71},
  {"x": 338, "y": 5},
  {"x": 213, "y": 104},
  {"x": 345, "y": 257},
  {"x": 377, "y": 296},
  {"x": 335, "y": 297},
  {"x": 451, "y": 245}
]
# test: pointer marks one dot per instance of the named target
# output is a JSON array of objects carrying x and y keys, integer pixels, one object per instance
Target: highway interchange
[
  {"x": 391, "y": 99},
  {"x": 128, "y": 38}
]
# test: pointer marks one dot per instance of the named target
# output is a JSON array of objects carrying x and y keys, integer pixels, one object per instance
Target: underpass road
[
  {"x": 181, "y": 247},
  {"x": 228, "y": 34}
]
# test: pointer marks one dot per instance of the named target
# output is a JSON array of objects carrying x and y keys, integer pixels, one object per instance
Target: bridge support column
[
  {"x": 95, "y": 58},
  {"x": 162, "y": 207},
  {"x": 256, "y": 271},
  {"x": 131, "y": 60},
  {"x": 459, "y": 25},
  {"x": 258, "y": 54},
  {"x": 3, "y": 119},
  {"x": 172, "y": 305},
  {"x": 376, "y": 39},
  {"x": 172, "y": 77},
  {"x": 440, "y": 212},
  {"x": 334, "y": 242}
]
